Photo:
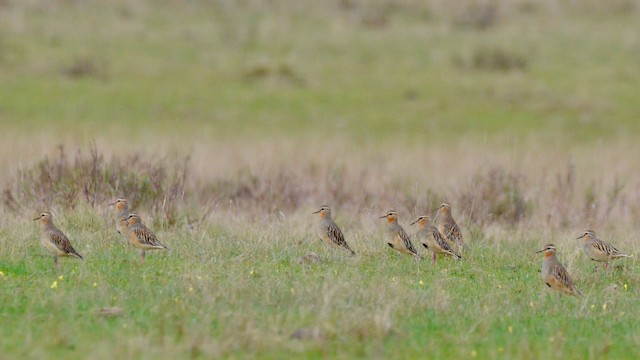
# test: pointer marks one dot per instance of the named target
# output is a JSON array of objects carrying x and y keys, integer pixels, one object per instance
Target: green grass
[
  {"x": 224, "y": 72},
  {"x": 364, "y": 105},
  {"x": 230, "y": 291}
]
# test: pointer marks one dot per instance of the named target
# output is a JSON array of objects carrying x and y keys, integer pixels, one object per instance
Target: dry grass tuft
[
  {"x": 493, "y": 58},
  {"x": 85, "y": 67},
  {"x": 495, "y": 195},
  {"x": 62, "y": 181}
]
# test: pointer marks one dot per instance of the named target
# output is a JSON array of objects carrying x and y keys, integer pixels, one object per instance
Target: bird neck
[{"x": 47, "y": 225}]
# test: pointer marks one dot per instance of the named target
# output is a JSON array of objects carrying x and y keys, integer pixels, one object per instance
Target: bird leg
[
  {"x": 433, "y": 258},
  {"x": 142, "y": 256},
  {"x": 55, "y": 263}
]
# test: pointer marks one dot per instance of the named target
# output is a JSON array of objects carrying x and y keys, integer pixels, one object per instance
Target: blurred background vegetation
[
  {"x": 365, "y": 70},
  {"x": 502, "y": 106}
]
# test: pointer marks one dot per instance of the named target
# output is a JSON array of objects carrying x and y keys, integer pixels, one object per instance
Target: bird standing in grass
[
  {"x": 397, "y": 238},
  {"x": 141, "y": 237},
  {"x": 598, "y": 250},
  {"x": 554, "y": 274},
  {"x": 448, "y": 226},
  {"x": 432, "y": 239},
  {"x": 329, "y": 232},
  {"x": 122, "y": 209},
  {"x": 54, "y": 240}
]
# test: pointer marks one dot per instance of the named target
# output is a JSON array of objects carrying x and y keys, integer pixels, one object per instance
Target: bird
[
  {"x": 141, "y": 237},
  {"x": 329, "y": 232},
  {"x": 554, "y": 274},
  {"x": 54, "y": 240},
  {"x": 432, "y": 239},
  {"x": 397, "y": 238},
  {"x": 122, "y": 209},
  {"x": 598, "y": 250},
  {"x": 448, "y": 227}
]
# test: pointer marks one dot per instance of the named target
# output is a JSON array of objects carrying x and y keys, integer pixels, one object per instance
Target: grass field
[{"x": 522, "y": 114}]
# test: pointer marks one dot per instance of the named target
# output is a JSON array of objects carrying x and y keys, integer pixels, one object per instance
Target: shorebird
[
  {"x": 554, "y": 274},
  {"x": 122, "y": 209},
  {"x": 432, "y": 239},
  {"x": 329, "y": 232},
  {"x": 54, "y": 240},
  {"x": 448, "y": 226},
  {"x": 598, "y": 250},
  {"x": 141, "y": 237},
  {"x": 397, "y": 238}
]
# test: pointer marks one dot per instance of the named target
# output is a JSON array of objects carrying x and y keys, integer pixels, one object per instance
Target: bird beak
[
  {"x": 537, "y": 252},
  {"x": 112, "y": 204},
  {"x": 414, "y": 222},
  {"x": 315, "y": 212},
  {"x": 36, "y": 219},
  {"x": 580, "y": 237},
  {"x": 382, "y": 217}
]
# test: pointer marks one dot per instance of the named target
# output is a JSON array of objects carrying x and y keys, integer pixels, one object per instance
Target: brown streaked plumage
[
  {"x": 122, "y": 210},
  {"x": 141, "y": 237},
  {"x": 54, "y": 240},
  {"x": 598, "y": 250},
  {"x": 554, "y": 274},
  {"x": 448, "y": 226},
  {"x": 432, "y": 239},
  {"x": 397, "y": 238},
  {"x": 329, "y": 232}
]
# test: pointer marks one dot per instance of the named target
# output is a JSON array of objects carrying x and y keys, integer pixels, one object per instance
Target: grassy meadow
[{"x": 227, "y": 123}]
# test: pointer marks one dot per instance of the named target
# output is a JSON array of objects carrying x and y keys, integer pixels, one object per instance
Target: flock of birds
[
  {"x": 128, "y": 224},
  {"x": 444, "y": 240}
]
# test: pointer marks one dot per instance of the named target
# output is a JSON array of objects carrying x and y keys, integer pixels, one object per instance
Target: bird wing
[
  {"x": 147, "y": 237},
  {"x": 62, "y": 242},
  {"x": 440, "y": 241},
  {"x": 603, "y": 247},
  {"x": 452, "y": 232},
  {"x": 335, "y": 234},
  {"x": 406, "y": 240},
  {"x": 562, "y": 280}
]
